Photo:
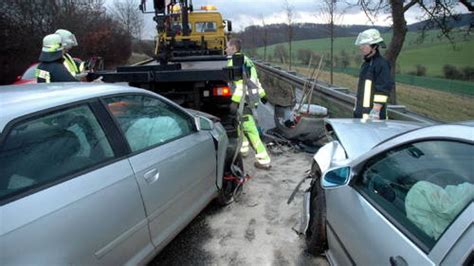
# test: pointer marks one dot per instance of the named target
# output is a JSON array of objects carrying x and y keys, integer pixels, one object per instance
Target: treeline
[
  {"x": 24, "y": 23},
  {"x": 254, "y": 36},
  {"x": 457, "y": 21}
]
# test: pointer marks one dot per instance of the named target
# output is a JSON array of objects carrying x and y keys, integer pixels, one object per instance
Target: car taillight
[{"x": 222, "y": 91}]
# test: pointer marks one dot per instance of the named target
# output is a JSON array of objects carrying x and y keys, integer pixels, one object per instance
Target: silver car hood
[{"x": 358, "y": 136}]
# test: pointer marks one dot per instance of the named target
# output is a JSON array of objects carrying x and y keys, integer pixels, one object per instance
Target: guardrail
[{"x": 339, "y": 96}]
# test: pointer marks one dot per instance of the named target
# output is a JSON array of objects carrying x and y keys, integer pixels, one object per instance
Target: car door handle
[
  {"x": 398, "y": 261},
  {"x": 151, "y": 176}
]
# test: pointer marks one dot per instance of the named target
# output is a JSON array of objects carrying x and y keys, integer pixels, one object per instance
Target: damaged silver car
[
  {"x": 392, "y": 192},
  {"x": 101, "y": 174}
]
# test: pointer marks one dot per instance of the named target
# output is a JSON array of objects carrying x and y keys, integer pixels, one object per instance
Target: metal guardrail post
[{"x": 338, "y": 95}]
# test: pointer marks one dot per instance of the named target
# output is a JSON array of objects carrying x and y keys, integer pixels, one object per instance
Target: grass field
[
  {"x": 433, "y": 53},
  {"x": 439, "y": 105}
]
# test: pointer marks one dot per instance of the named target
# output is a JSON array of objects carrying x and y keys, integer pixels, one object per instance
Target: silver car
[
  {"x": 100, "y": 174},
  {"x": 388, "y": 192}
]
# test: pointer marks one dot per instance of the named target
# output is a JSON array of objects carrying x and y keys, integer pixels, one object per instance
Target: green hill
[{"x": 433, "y": 53}]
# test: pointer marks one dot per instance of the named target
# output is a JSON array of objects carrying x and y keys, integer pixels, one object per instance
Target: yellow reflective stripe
[
  {"x": 380, "y": 98},
  {"x": 70, "y": 64},
  {"x": 53, "y": 47},
  {"x": 244, "y": 149},
  {"x": 263, "y": 158},
  {"x": 238, "y": 92},
  {"x": 43, "y": 74},
  {"x": 367, "y": 90},
  {"x": 82, "y": 67}
]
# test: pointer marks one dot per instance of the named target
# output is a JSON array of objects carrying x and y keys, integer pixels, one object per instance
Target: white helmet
[
  {"x": 370, "y": 36},
  {"x": 68, "y": 39},
  {"x": 52, "y": 49}
]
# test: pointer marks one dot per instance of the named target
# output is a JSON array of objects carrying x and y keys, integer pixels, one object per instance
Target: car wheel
[
  {"x": 230, "y": 189},
  {"x": 316, "y": 240}
]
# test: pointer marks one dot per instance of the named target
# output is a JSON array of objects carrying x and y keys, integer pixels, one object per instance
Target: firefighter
[
  {"x": 375, "y": 80},
  {"x": 254, "y": 95},
  {"x": 74, "y": 66},
  {"x": 51, "y": 67}
]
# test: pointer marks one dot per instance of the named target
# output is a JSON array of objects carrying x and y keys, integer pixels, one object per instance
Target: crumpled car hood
[{"x": 358, "y": 136}]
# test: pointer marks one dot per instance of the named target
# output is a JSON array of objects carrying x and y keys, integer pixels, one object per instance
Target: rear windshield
[{"x": 30, "y": 72}]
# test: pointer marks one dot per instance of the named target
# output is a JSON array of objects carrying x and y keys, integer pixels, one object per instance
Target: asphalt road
[{"x": 256, "y": 230}]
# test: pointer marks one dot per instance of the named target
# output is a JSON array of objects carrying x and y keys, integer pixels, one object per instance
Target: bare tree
[
  {"x": 331, "y": 13},
  {"x": 126, "y": 12},
  {"x": 23, "y": 24},
  {"x": 438, "y": 13},
  {"x": 280, "y": 53},
  {"x": 289, "y": 9},
  {"x": 264, "y": 38}
]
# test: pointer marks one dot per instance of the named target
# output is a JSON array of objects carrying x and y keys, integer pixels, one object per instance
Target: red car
[{"x": 28, "y": 77}]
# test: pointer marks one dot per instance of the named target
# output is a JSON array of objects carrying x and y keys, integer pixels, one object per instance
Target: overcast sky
[{"x": 244, "y": 13}]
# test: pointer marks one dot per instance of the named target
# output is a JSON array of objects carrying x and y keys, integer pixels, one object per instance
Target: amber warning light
[{"x": 208, "y": 8}]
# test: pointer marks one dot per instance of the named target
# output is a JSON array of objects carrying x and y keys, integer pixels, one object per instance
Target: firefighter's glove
[
  {"x": 375, "y": 112},
  {"x": 264, "y": 99},
  {"x": 234, "y": 107}
]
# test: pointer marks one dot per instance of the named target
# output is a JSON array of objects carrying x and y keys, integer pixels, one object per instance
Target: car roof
[{"x": 19, "y": 100}]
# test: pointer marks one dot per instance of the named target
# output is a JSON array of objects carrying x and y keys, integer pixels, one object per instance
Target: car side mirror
[
  {"x": 204, "y": 123},
  {"x": 229, "y": 25},
  {"x": 336, "y": 177}
]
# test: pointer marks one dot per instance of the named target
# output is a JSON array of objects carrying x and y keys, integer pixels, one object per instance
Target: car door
[
  {"x": 174, "y": 163},
  {"x": 401, "y": 204},
  {"x": 66, "y": 195}
]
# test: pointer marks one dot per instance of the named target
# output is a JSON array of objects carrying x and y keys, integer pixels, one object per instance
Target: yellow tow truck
[{"x": 184, "y": 31}]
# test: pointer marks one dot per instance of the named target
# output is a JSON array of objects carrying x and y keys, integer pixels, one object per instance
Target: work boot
[{"x": 262, "y": 166}]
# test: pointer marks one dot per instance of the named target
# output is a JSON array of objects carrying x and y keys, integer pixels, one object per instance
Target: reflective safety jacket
[
  {"x": 253, "y": 92},
  {"x": 375, "y": 85},
  {"x": 48, "y": 72},
  {"x": 74, "y": 67}
]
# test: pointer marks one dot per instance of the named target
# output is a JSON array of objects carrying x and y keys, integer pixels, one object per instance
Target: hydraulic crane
[{"x": 184, "y": 31}]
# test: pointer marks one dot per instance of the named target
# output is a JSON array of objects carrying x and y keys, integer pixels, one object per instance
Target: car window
[
  {"x": 422, "y": 186},
  {"x": 206, "y": 26},
  {"x": 147, "y": 122},
  {"x": 30, "y": 72},
  {"x": 47, "y": 148}
]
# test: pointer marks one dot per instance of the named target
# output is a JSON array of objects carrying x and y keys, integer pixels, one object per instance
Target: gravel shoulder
[{"x": 256, "y": 230}]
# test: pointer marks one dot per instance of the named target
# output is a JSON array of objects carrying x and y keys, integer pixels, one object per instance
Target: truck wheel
[
  {"x": 228, "y": 192},
  {"x": 316, "y": 240}
]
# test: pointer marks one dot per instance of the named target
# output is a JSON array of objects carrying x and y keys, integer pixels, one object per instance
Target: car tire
[
  {"x": 316, "y": 239},
  {"x": 226, "y": 194}
]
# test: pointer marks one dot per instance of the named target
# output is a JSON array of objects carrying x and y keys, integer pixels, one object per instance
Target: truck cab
[{"x": 199, "y": 32}]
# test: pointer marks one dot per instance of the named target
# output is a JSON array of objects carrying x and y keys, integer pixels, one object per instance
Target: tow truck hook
[{"x": 238, "y": 176}]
